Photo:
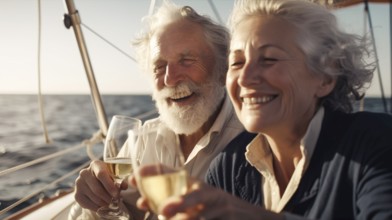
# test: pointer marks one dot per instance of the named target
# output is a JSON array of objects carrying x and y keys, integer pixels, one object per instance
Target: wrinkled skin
[{"x": 94, "y": 188}]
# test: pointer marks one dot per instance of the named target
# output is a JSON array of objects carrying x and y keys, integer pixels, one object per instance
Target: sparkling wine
[
  {"x": 158, "y": 188},
  {"x": 120, "y": 167}
]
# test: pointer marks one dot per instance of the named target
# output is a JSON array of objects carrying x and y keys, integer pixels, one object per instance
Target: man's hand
[{"x": 95, "y": 187}]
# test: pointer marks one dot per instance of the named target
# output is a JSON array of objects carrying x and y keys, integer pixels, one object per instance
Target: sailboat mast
[{"x": 73, "y": 19}]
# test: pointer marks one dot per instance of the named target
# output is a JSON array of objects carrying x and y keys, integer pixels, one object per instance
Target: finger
[
  {"x": 102, "y": 173},
  {"x": 87, "y": 203},
  {"x": 84, "y": 194},
  {"x": 91, "y": 186},
  {"x": 192, "y": 203},
  {"x": 132, "y": 181},
  {"x": 142, "y": 204},
  {"x": 172, "y": 206},
  {"x": 124, "y": 184}
]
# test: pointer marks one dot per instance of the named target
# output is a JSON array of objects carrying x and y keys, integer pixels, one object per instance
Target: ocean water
[{"x": 70, "y": 119}]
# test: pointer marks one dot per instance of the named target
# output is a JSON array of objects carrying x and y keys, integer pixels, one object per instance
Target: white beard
[{"x": 188, "y": 119}]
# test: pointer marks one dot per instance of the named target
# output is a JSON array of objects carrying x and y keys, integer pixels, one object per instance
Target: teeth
[
  {"x": 257, "y": 100},
  {"x": 181, "y": 94}
]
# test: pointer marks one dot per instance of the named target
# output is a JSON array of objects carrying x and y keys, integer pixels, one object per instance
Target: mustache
[{"x": 183, "y": 88}]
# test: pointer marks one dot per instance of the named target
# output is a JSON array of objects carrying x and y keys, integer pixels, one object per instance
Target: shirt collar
[
  {"x": 258, "y": 152},
  {"x": 226, "y": 111}
]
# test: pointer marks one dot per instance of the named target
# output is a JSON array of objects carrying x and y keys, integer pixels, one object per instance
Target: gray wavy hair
[
  {"x": 329, "y": 51},
  {"x": 217, "y": 36}
]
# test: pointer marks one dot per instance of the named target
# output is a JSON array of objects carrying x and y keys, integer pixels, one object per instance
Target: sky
[{"x": 118, "y": 21}]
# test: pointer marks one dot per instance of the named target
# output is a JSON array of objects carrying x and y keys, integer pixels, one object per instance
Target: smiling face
[
  {"x": 269, "y": 83},
  {"x": 183, "y": 73}
]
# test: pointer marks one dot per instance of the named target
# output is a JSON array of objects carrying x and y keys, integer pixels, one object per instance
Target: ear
[{"x": 327, "y": 84}]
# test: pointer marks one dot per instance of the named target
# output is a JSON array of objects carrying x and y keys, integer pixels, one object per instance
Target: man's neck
[{"x": 188, "y": 142}]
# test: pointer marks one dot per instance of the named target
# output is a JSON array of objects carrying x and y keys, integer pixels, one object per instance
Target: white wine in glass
[
  {"x": 119, "y": 167},
  {"x": 161, "y": 175},
  {"x": 157, "y": 188},
  {"x": 121, "y": 137}
]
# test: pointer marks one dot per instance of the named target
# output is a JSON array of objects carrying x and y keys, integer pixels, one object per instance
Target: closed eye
[
  {"x": 268, "y": 60},
  {"x": 187, "y": 61},
  {"x": 236, "y": 65}
]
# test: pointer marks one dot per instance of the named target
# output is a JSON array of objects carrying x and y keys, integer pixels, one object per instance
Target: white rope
[
  {"x": 40, "y": 100},
  {"x": 96, "y": 138}
]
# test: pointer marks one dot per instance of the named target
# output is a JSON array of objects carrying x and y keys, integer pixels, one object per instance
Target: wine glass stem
[
  {"x": 113, "y": 210},
  {"x": 114, "y": 204}
]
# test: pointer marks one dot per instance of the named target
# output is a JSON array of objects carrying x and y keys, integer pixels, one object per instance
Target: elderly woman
[{"x": 293, "y": 77}]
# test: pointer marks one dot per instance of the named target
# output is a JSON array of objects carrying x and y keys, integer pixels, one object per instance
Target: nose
[
  {"x": 173, "y": 75},
  {"x": 249, "y": 75}
]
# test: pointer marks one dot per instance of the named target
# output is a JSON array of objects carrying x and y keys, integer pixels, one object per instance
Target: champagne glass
[
  {"x": 159, "y": 171},
  {"x": 120, "y": 138}
]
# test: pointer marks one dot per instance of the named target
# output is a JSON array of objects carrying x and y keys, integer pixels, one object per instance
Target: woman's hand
[{"x": 206, "y": 202}]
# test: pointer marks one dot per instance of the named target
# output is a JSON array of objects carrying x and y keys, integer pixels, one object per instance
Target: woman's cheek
[{"x": 231, "y": 84}]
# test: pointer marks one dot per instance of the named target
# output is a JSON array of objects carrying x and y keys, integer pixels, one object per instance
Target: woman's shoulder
[
  {"x": 380, "y": 123},
  {"x": 362, "y": 133},
  {"x": 364, "y": 120}
]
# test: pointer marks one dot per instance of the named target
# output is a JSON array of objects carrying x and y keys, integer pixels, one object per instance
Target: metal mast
[{"x": 73, "y": 19}]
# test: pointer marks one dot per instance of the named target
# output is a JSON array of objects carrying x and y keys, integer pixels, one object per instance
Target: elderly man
[{"x": 185, "y": 55}]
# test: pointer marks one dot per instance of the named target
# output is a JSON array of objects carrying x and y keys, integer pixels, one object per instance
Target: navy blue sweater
[{"x": 349, "y": 175}]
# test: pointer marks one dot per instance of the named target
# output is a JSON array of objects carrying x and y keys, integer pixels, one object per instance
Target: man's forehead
[
  {"x": 157, "y": 53},
  {"x": 181, "y": 43}
]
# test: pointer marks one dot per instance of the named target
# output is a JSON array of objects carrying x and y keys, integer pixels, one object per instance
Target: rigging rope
[
  {"x": 40, "y": 99},
  {"x": 375, "y": 54},
  {"x": 362, "y": 101},
  {"x": 108, "y": 42},
  {"x": 95, "y": 139},
  {"x": 215, "y": 11}
]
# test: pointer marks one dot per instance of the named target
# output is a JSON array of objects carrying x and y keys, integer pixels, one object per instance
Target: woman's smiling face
[{"x": 269, "y": 83}]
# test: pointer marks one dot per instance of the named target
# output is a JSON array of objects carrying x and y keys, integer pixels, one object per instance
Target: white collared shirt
[{"x": 259, "y": 155}]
